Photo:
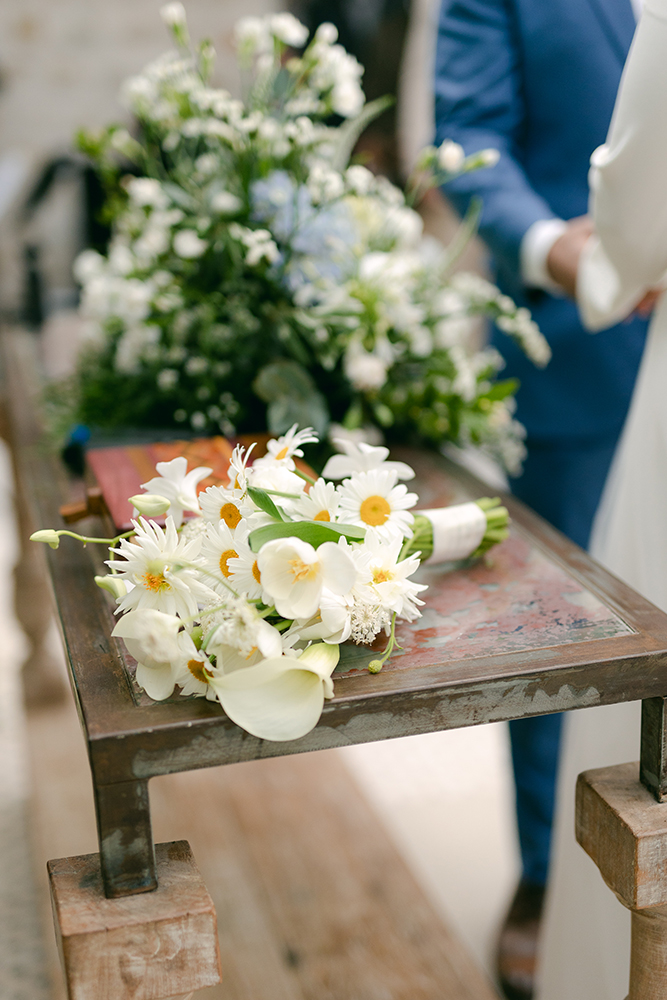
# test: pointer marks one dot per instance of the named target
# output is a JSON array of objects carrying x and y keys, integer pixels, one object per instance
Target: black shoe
[{"x": 517, "y": 945}]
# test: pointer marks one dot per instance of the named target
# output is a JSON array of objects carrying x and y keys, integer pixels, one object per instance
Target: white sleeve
[
  {"x": 628, "y": 181},
  {"x": 535, "y": 246}
]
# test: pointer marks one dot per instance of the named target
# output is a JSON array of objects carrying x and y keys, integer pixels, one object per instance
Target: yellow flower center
[
  {"x": 256, "y": 573},
  {"x": 382, "y": 575},
  {"x": 224, "y": 559},
  {"x": 155, "y": 582},
  {"x": 303, "y": 571},
  {"x": 374, "y": 511},
  {"x": 196, "y": 668},
  {"x": 230, "y": 514},
  {"x": 323, "y": 515},
  {"x": 282, "y": 454}
]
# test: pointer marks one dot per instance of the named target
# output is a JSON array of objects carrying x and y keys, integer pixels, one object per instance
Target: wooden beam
[{"x": 146, "y": 947}]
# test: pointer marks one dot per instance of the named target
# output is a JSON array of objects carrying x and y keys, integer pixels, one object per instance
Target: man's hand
[{"x": 563, "y": 258}]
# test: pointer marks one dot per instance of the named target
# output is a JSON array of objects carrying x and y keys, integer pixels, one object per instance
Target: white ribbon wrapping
[{"x": 457, "y": 531}]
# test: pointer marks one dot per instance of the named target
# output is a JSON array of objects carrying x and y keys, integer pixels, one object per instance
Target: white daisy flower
[
  {"x": 372, "y": 500},
  {"x": 362, "y": 457},
  {"x": 238, "y": 471},
  {"x": 293, "y": 573},
  {"x": 387, "y": 585},
  {"x": 283, "y": 449},
  {"x": 244, "y": 574},
  {"x": 220, "y": 504},
  {"x": 275, "y": 476},
  {"x": 192, "y": 669},
  {"x": 162, "y": 568},
  {"x": 178, "y": 485},
  {"x": 319, "y": 504},
  {"x": 221, "y": 544}
]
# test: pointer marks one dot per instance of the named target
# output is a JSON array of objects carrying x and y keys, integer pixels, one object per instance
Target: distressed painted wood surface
[{"x": 148, "y": 947}]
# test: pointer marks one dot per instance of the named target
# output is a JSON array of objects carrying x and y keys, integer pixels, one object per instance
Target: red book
[{"x": 120, "y": 471}]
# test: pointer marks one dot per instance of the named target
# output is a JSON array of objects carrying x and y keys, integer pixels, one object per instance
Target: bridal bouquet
[
  {"x": 248, "y": 600},
  {"x": 255, "y": 278}
]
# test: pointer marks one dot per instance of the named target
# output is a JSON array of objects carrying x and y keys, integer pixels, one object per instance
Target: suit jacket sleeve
[
  {"x": 479, "y": 103},
  {"x": 629, "y": 184}
]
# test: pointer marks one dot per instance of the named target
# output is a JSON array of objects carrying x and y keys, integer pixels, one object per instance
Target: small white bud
[
  {"x": 450, "y": 156},
  {"x": 150, "y": 504},
  {"x": 48, "y": 536},
  {"x": 489, "y": 157},
  {"x": 173, "y": 14},
  {"x": 327, "y": 33},
  {"x": 113, "y": 585}
]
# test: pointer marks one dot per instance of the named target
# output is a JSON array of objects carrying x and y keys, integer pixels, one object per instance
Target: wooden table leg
[
  {"x": 125, "y": 836},
  {"x": 623, "y": 828}
]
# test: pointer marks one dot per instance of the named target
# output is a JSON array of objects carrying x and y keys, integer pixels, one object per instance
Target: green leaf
[
  {"x": 313, "y": 532},
  {"x": 262, "y": 500}
]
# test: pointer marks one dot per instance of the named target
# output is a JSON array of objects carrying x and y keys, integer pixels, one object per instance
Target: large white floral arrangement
[
  {"x": 248, "y": 600},
  {"x": 254, "y": 278}
]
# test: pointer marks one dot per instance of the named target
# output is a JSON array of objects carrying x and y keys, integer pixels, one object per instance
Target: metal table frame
[{"x": 130, "y": 740}]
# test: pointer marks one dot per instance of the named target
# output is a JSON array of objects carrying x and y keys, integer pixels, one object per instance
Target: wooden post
[
  {"x": 146, "y": 947},
  {"x": 624, "y": 830}
]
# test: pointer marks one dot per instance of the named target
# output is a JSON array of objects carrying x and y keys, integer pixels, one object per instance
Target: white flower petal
[
  {"x": 157, "y": 681},
  {"x": 275, "y": 700}
]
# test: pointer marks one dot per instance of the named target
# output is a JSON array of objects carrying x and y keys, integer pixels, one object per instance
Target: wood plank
[
  {"x": 624, "y": 830},
  {"x": 313, "y": 900},
  {"x": 148, "y": 947}
]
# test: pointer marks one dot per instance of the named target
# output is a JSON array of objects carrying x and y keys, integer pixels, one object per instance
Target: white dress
[{"x": 586, "y": 944}]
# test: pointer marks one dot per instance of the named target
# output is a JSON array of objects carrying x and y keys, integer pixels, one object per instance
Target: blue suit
[{"x": 537, "y": 80}]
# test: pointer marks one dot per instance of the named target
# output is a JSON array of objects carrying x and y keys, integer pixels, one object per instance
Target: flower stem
[
  {"x": 375, "y": 666},
  {"x": 302, "y": 475}
]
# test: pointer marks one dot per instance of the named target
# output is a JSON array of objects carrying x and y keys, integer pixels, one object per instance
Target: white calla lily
[
  {"x": 150, "y": 504},
  {"x": 112, "y": 584},
  {"x": 280, "y": 698}
]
